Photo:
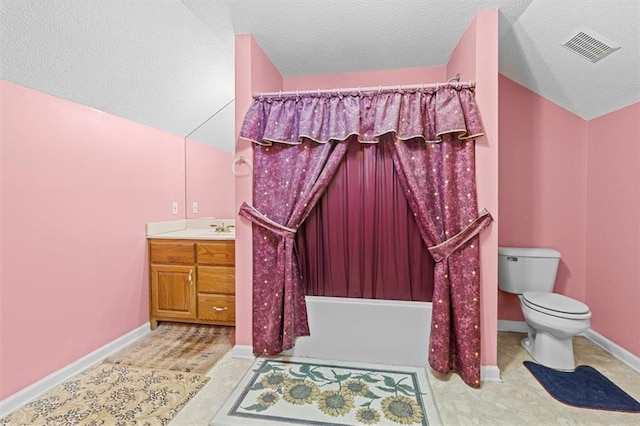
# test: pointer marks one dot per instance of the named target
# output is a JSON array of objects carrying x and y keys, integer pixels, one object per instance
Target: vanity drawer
[
  {"x": 217, "y": 279},
  {"x": 220, "y": 308},
  {"x": 221, "y": 252},
  {"x": 172, "y": 253}
]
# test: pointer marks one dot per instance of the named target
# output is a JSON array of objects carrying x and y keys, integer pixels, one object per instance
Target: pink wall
[
  {"x": 78, "y": 187},
  {"x": 254, "y": 73},
  {"x": 543, "y": 172},
  {"x": 476, "y": 58},
  {"x": 209, "y": 181},
  {"x": 560, "y": 176},
  {"x": 395, "y": 77},
  {"x": 612, "y": 226}
]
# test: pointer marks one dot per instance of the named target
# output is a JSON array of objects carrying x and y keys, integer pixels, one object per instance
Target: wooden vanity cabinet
[
  {"x": 172, "y": 281},
  {"x": 192, "y": 281},
  {"x": 217, "y": 281}
]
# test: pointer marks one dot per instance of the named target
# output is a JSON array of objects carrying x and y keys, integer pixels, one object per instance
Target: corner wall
[
  {"x": 574, "y": 185},
  {"x": 612, "y": 226},
  {"x": 543, "y": 174},
  {"x": 475, "y": 57},
  {"x": 209, "y": 181},
  {"x": 254, "y": 73}
]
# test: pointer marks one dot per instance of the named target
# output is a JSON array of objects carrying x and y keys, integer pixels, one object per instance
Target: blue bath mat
[{"x": 585, "y": 387}]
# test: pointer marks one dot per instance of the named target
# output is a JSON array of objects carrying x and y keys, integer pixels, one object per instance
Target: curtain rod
[{"x": 359, "y": 89}]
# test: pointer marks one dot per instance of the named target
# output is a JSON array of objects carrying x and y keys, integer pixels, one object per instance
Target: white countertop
[{"x": 191, "y": 229}]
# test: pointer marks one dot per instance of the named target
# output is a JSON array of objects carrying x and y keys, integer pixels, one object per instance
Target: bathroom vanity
[{"x": 192, "y": 275}]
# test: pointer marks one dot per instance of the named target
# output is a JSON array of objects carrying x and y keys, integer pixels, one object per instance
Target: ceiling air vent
[{"x": 590, "y": 45}]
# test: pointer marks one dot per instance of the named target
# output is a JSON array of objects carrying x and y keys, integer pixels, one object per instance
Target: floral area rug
[
  {"x": 305, "y": 391},
  {"x": 110, "y": 394},
  {"x": 183, "y": 347}
]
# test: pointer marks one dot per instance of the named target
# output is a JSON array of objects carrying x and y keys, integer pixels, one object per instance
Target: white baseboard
[
  {"x": 490, "y": 373},
  {"x": 31, "y": 392},
  {"x": 242, "y": 352},
  {"x": 517, "y": 326},
  {"x": 617, "y": 351}
]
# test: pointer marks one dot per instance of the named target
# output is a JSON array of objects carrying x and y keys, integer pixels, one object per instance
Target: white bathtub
[{"x": 376, "y": 331}]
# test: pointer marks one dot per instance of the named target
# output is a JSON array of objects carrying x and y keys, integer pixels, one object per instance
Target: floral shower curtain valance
[
  {"x": 420, "y": 113},
  {"x": 300, "y": 141}
]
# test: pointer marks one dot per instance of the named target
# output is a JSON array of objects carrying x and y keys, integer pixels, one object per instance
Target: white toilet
[{"x": 552, "y": 319}]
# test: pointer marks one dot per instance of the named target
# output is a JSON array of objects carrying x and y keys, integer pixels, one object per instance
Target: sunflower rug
[{"x": 305, "y": 391}]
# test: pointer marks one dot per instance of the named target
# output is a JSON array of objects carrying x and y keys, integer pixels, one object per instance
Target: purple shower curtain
[
  {"x": 361, "y": 239},
  {"x": 440, "y": 185},
  {"x": 300, "y": 141},
  {"x": 288, "y": 180}
]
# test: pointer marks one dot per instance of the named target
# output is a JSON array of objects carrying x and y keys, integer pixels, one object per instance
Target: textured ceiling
[
  {"x": 169, "y": 63},
  {"x": 324, "y": 37}
]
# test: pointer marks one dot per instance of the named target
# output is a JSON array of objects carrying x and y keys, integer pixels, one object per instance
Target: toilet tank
[{"x": 523, "y": 269}]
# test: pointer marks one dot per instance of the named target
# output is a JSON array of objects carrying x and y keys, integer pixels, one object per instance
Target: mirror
[{"x": 209, "y": 155}]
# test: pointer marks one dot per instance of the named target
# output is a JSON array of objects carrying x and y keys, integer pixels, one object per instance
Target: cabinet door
[{"x": 173, "y": 293}]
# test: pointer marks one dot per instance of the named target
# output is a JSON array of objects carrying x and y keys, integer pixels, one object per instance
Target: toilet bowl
[{"x": 552, "y": 319}]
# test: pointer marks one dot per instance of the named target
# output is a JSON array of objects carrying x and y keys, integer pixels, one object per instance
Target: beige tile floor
[{"x": 518, "y": 400}]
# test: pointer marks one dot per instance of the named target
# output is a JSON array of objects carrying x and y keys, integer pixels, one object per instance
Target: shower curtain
[
  {"x": 361, "y": 239},
  {"x": 299, "y": 142}
]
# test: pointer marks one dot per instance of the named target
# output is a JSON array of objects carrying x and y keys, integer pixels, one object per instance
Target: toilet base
[{"x": 550, "y": 351}]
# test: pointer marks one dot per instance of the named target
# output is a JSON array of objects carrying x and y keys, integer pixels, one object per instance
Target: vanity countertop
[
  {"x": 195, "y": 234},
  {"x": 192, "y": 229}
]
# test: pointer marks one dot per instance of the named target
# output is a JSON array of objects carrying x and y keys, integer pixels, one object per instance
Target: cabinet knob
[{"x": 219, "y": 309}]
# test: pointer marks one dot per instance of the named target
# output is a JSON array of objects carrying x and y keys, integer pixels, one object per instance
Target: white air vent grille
[{"x": 590, "y": 45}]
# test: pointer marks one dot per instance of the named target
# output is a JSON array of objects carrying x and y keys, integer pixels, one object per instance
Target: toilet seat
[{"x": 556, "y": 305}]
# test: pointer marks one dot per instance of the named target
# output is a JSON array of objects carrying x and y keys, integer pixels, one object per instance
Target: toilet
[{"x": 552, "y": 319}]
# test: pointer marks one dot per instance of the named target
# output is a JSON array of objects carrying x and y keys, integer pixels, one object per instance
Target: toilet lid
[{"x": 556, "y": 304}]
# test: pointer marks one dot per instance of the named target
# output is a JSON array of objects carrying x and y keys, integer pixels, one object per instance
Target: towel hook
[{"x": 241, "y": 160}]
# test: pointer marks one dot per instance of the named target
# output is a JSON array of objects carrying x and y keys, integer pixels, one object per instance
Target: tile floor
[{"x": 518, "y": 400}]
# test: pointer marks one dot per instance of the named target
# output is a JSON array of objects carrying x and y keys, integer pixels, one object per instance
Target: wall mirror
[{"x": 209, "y": 153}]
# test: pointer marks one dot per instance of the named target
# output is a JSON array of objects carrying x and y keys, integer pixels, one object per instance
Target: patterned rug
[
  {"x": 110, "y": 394},
  {"x": 316, "y": 392},
  {"x": 182, "y": 347}
]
